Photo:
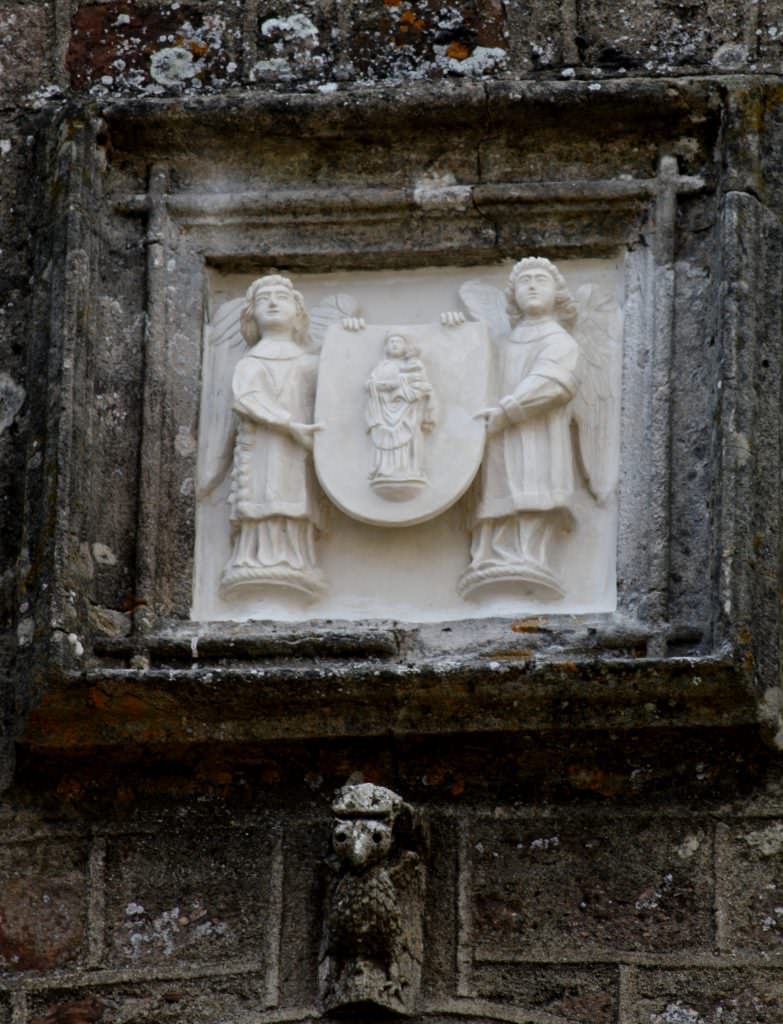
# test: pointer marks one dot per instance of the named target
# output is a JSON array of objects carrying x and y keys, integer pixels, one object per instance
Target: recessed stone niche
[{"x": 393, "y": 540}]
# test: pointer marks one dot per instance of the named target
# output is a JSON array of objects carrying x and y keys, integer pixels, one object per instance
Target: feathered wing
[
  {"x": 409, "y": 884},
  {"x": 596, "y": 405},
  {"x": 333, "y": 310},
  {"x": 223, "y": 348},
  {"x": 484, "y": 302}
]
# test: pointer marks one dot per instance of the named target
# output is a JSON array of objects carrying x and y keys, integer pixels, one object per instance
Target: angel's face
[
  {"x": 274, "y": 307},
  {"x": 534, "y": 291}
]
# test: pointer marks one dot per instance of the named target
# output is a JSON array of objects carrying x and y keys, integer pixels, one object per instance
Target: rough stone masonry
[{"x": 603, "y": 795}]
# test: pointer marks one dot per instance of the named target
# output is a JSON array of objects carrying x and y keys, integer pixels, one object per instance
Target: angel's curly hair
[
  {"x": 247, "y": 320},
  {"x": 565, "y": 308}
]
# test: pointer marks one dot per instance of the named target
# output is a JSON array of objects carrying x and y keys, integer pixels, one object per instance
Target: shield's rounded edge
[{"x": 347, "y": 358}]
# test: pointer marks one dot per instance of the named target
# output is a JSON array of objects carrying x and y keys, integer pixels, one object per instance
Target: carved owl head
[
  {"x": 363, "y": 841},
  {"x": 365, "y": 817}
]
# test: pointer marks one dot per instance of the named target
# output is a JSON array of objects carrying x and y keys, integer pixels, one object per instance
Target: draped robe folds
[
  {"x": 528, "y": 467},
  {"x": 398, "y": 404},
  {"x": 273, "y": 504}
]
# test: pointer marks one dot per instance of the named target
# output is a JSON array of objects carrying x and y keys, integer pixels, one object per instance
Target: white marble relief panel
[{"x": 420, "y": 445}]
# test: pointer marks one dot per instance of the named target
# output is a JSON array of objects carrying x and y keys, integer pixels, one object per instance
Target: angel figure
[
  {"x": 557, "y": 366},
  {"x": 400, "y": 406},
  {"x": 273, "y": 500}
]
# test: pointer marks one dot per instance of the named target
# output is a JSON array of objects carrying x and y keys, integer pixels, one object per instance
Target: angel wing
[
  {"x": 486, "y": 303},
  {"x": 595, "y": 407},
  {"x": 224, "y": 346},
  {"x": 333, "y": 310}
]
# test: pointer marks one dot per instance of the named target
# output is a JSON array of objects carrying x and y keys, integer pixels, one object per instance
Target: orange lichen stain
[
  {"x": 744, "y": 635},
  {"x": 216, "y": 776},
  {"x": 125, "y": 794},
  {"x": 526, "y": 625},
  {"x": 594, "y": 780},
  {"x": 97, "y": 698},
  {"x": 196, "y": 47},
  {"x": 392, "y": 3},
  {"x": 133, "y": 707},
  {"x": 747, "y": 661},
  {"x": 458, "y": 788},
  {"x": 69, "y": 789},
  {"x": 458, "y": 51},
  {"x": 570, "y": 666},
  {"x": 514, "y": 655},
  {"x": 409, "y": 19}
]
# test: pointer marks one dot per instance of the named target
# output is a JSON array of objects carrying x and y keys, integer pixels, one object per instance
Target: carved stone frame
[{"x": 714, "y": 663}]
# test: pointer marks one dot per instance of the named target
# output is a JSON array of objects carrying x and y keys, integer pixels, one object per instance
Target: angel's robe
[
  {"x": 529, "y": 466},
  {"x": 273, "y": 385}
]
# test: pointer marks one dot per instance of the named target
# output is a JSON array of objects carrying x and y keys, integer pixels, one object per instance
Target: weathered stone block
[
  {"x": 421, "y": 38},
  {"x": 296, "y": 43},
  {"x": 593, "y": 885},
  {"x": 43, "y": 901},
  {"x": 769, "y": 34},
  {"x": 154, "y": 49},
  {"x": 189, "y": 894},
  {"x": 199, "y": 1001},
  {"x": 645, "y": 36},
  {"x": 751, "y": 884},
  {"x": 304, "y": 882},
  {"x": 585, "y": 992},
  {"x": 25, "y": 51},
  {"x": 71, "y": 1010},
  {"x": 707, "y": 996}
]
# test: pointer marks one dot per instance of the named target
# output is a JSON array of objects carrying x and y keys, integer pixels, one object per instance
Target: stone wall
[{"x": 607, "y": 831}]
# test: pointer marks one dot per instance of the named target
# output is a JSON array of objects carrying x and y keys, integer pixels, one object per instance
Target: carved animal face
[{"x": 362, "y": 842}]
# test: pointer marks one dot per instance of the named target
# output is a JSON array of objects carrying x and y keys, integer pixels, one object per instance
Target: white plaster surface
[{"x": 408, "y": 573}]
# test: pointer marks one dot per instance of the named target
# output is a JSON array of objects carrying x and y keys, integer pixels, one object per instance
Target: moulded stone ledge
[{"x": 269, "y": 698}]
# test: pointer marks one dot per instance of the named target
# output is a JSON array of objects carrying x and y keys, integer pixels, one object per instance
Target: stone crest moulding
[{"x": 385, "y": 456}]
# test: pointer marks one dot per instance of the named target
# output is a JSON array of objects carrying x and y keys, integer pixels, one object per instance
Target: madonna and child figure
[{"x": 400, "y": 407}]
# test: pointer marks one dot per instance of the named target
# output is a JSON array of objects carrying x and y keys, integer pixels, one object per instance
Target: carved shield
[{"x": 400, "y": 442}]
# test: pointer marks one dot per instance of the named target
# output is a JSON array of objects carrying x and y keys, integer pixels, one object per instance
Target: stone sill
[{"x": 230, "y": 684}]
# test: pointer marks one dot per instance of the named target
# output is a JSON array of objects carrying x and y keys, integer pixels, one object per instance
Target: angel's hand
[
  {"x": 303, "y": 433},
  {"x": 452, "y": 318},
  {"x": 354, "y": 323},
  {"x": 494, "y": 418}
]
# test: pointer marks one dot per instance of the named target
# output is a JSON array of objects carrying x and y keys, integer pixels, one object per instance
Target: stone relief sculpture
[
  {"x": 262, "y": 429},
  {"x": 558, "y": 365},
  {"x": 390, "y": 424},
  {"x": 372, "y": 947},
  {"x": 400, "y": 409},
  {"x": 381, "y": 457}
]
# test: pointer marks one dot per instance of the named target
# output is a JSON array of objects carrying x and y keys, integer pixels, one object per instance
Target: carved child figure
[{"x": 400, "y": 407}]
